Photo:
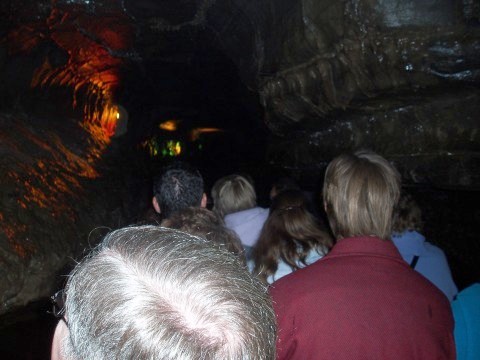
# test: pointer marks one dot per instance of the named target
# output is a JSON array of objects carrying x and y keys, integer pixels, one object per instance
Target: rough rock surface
[
  {"x": 320, "y": 68},
  {"x": 397, "y": 77},
  {"x": 60, "y": 192}
]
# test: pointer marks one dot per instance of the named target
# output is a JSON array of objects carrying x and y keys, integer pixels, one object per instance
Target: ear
[
  {"x": 325, "y": 206},
  {"x": 156, "y": 206},
  {"x": 61, "y": 333},
  {"x": 203, "y": 203},
  {"x": 273, "y": 192}
]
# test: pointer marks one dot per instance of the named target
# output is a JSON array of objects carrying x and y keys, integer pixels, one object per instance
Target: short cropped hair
[
  {"x": 233, "y": 193},
  {"x": 154, "y": 293},
  {"x": 407, "y": 215},
  {"x": 206, "y": 224},
  {"x": 177, "y": 187},
  {"x": 360, "y": 192}
]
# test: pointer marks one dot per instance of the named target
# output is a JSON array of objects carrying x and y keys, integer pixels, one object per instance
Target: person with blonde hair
[
  {"x": 235, "y": 200},
  {"x": 426, "y": 258},
  {"x": 155, "y": 293},
  {"x": 361, "y": 301},
  {"x": 291, "y": 238}
]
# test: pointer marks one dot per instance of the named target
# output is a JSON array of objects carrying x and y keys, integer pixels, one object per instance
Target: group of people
[{"x": 243, "y": 282}]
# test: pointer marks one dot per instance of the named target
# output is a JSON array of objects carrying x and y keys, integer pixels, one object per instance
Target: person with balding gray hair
[{"x": 155, "y": 293}]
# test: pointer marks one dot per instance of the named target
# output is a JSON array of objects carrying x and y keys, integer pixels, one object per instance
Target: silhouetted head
[
  {"x": 178, "y": 187},
  {"x": 206, "y": 224},
  {"x": 282, "y": 184},
  {"x": 408, "y": 215}
]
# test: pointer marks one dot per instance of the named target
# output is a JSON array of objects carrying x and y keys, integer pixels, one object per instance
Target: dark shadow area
[{"x": 26, "y": 334}]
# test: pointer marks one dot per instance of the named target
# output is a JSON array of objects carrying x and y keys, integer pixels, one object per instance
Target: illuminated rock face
[
  {"x": 320, "y": 68},
  {"x": 59, "y": 193}
]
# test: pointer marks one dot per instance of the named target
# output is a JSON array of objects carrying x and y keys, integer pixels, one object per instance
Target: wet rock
[
  {"x": 60, "y": 192},
  {"x": 433, "y": 138}
]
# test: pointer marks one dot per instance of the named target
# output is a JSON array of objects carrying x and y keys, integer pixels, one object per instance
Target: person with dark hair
[
  {"x": 206, "y": 224},
  {"x": 361, "y": 301},
  {"x": 291, "y": 238},
  {"x": 178, "y": 187},
  {"x": 155, "y": 293},
  {"x": 426, "y": 258},
  {"x": 282, "y": 184}
]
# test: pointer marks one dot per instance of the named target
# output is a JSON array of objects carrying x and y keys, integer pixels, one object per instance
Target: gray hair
[{"x": 154, "y": 293}]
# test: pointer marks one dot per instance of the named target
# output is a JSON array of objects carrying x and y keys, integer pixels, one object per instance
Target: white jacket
[{"x": 247, "y": 224}]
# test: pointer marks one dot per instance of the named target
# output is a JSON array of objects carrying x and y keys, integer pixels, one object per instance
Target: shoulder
[
  {"x": 304, "y": 280},
  {"x": 433, "y": 250}
]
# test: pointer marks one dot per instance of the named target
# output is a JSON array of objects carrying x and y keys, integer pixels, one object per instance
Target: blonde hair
[
  {"x": 233, "y": 193},
  {"x": 360, "y": 192}
]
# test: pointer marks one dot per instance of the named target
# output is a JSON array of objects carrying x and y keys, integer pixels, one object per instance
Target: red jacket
[{"x": 361, "y": 301}]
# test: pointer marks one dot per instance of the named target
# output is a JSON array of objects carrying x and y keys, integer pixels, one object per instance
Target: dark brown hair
[
  {"x": 408, "y": 215},
  {"x": 206, "y": 224},
  {"x": 289, "y": 234}
]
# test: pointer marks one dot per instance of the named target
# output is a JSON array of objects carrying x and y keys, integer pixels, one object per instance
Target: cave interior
[{"x": 97, "y": 95}]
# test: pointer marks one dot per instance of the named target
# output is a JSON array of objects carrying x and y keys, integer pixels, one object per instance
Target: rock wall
[
  {"x": 63, "y": 186},
  {"x": 400, "y": 78}
]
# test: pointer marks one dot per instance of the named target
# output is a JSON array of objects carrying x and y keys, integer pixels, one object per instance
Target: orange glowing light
[
  {"x": 169, "y": 125},
  {"x": 109, "y": 118},
  {"x": 178, "y": 148},
  {"x": 195, "y": 133},
  {"x": 91, "y": 71},
  {"x": 173, "y": 148}
]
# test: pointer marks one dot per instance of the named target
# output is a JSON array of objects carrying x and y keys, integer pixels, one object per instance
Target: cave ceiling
[{"x": 398, "y": 77}]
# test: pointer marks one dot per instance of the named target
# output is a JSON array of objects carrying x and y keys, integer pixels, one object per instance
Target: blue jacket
[
  {"x": 466, "y": 313},
  {"x": 431, "y": 263}
]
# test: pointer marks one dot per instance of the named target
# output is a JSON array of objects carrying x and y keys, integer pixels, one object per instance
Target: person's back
[
  {"x": 290, "y": 239},
  {"x": 466, "y": 312},
  {"x": 353, "y": 304},
  {"x": 235, "y": 200},
  {"x": 426, "y": 258},
  {"x": 361, "y": 301}
]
